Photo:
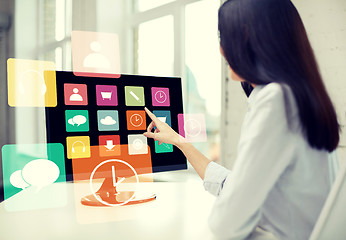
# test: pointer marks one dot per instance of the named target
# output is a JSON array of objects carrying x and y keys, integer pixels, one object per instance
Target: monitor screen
[{"x": 94, "y": 111}]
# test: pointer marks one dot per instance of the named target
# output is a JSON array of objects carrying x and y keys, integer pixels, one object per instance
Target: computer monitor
[{"x": 109, "y": 112}]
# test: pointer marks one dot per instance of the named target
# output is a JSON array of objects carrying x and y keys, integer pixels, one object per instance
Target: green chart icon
[{"x": 32, "y": 176}]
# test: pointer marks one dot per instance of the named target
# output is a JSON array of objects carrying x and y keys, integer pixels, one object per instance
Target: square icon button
[
  {"x": 109, "y": 145},
  {"x": 192, "y": 127},
  {"x": 137, "y": 144},
  {"x": 108, "y": 120},
  {"x": 77, "y": 120},
  {"x": 75, "y": 94},
  {"x": 31, "y": 83},
  {"x": 134, "y": 96},
  {"x": 136, "y": 120},
  {"x": 106, "y": 95},
  {"x": 78, "y": 147},
  {"x": 34, "y": 168},
  {"x": 163, "y": 116},
  {"x": 160, "y": 97},
  {"x": 95, "y": 54},
  {"x": 163, "y": 147}
]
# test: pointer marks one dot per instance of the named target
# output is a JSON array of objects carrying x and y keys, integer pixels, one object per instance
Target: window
[
  {"x": 203, "y": 70},
  {"x": 155, "y": 53},
  {"x": 180, "y": 38},
  {"x": 45, "y": 36},
  {"x": 144, "y": 5},
  {"x": 55, "y": 32}
]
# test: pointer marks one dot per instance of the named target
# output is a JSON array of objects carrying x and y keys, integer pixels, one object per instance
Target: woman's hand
[{"x": 163, "y": 132}]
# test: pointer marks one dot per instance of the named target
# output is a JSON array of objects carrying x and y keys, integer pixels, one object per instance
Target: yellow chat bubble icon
[{"x": 31, "y": 83}]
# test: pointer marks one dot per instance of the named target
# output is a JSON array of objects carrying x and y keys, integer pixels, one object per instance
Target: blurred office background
[{"x": 165, "y": 38}]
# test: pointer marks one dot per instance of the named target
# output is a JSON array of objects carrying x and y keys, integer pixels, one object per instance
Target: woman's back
[
  {"x": 293, "y": 205},
  {"x": 299, "y": 195},
  {"x": 279, "y": 181}
]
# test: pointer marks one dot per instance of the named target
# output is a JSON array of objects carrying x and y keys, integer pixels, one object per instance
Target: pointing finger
[{"x": 152, "y": 116}]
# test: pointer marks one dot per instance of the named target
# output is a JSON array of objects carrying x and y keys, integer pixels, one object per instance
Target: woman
[{"x": 280, "y": 179}]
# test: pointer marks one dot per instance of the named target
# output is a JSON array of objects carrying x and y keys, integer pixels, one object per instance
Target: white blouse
[{"x": 278, "y": 182}]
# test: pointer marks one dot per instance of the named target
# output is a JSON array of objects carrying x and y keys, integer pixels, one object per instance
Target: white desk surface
[{"x": 180, "y": 211}]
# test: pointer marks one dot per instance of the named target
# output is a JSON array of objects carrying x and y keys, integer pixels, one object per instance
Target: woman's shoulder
[
  {"x": 271, "y": 91},
  {"x": 276, "y": 95}
]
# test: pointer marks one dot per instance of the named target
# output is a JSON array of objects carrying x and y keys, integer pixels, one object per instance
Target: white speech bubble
[
  {"x": 17, "y": 180},
  {"x": 78, "y": 119},
  {"x": 70, "y": 121},
  {"x": 40, "y": 173}
]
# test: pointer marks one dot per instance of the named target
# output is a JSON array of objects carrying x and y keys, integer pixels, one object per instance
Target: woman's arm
[{"x": 164, "y": 133}]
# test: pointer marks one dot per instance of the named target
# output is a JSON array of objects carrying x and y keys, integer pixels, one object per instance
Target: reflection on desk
[{"x": 180, "y": 211}]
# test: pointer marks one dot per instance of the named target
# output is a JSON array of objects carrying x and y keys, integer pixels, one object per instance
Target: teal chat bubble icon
[{"x": 77, "y": 120}]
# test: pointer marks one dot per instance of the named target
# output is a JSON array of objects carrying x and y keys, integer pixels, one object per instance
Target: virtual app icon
[
  {"x": 76, "y": 94},
  {"x": 163, "y": 147},
  {"x": 136, "y": 120},
  {"x": 106, "y": 95},
  {"x": 192, "y": 127},
  {"x": 109, "y": 166},
  {"x": 31, "y": 83},
  {"x": 78, "y": 147},
  {"x": 163, "y": 116},
  {"x": 33, "y": 168},
  {"x": 134, "y": 96},
  {"x": 137, "y": 144},
  {"x": 114, "y": 189},
  {"x": 108, "y": 120},
  {"x": 109, "y": 145},
  {"x": 95, "y": 54},
  {"x": 160, "y": 97},
  {"x": 77, "y": 120}
]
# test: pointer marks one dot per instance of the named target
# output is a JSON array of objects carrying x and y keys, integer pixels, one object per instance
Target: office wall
[
  {"x": 326, "y": 26},
  {"x": 325, "y": 22}
]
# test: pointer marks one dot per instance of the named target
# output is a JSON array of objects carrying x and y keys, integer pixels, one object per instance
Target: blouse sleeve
[
  {"x": 214, "y": 178},
  {"x": 265, "y": 149}
]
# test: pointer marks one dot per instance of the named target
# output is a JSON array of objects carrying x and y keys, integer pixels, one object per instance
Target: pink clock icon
[
  {"x": 192, "y": 128},
  {"x": 160, "y": 96}
]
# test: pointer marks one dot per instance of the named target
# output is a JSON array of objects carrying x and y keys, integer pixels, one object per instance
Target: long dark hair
[{"x": 265, "y": 41}]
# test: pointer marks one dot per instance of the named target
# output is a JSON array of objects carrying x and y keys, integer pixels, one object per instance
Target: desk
[{"x": 179, "y": 212}]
